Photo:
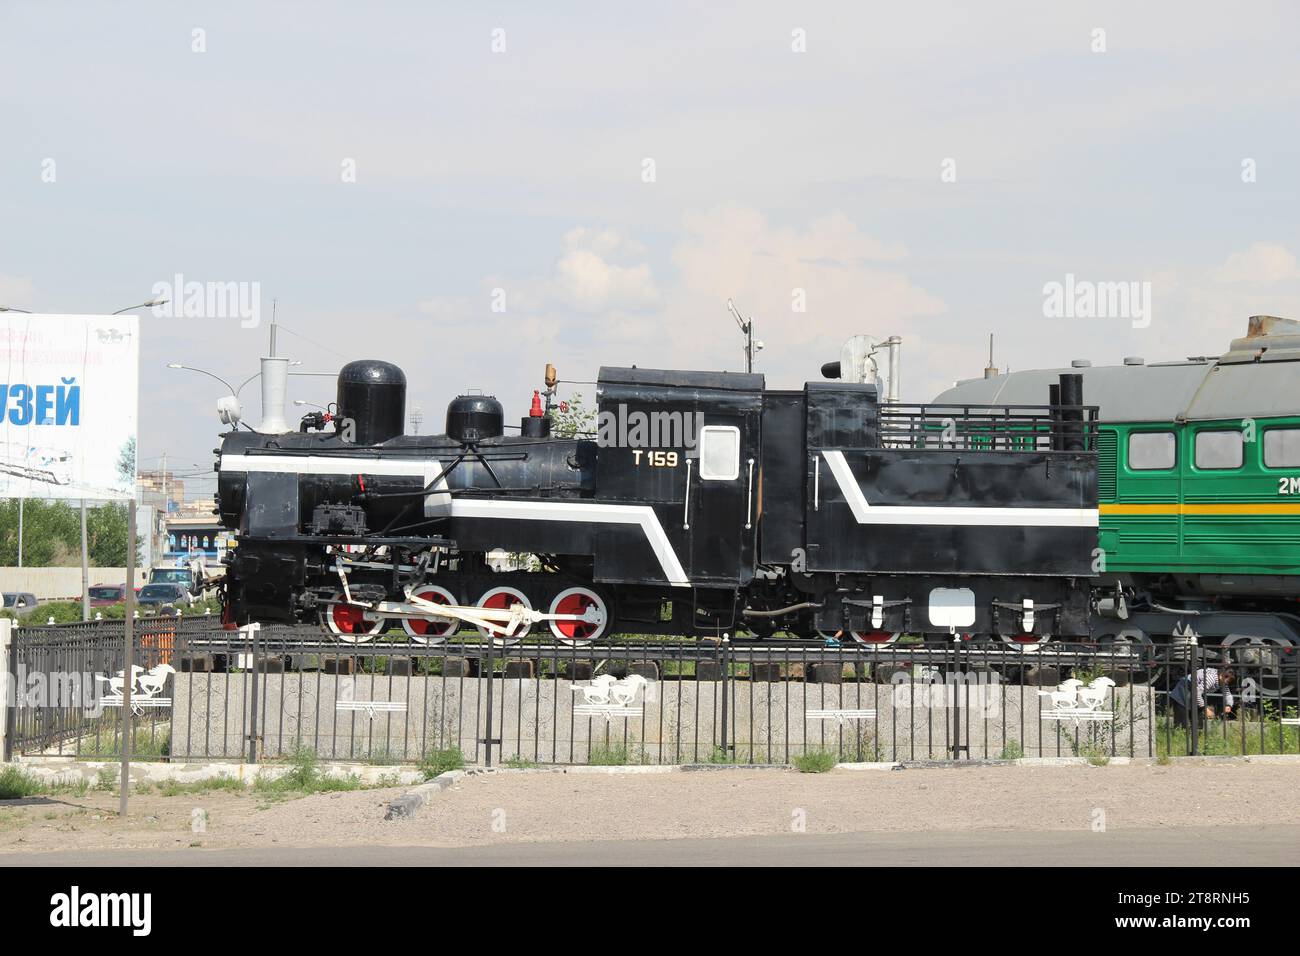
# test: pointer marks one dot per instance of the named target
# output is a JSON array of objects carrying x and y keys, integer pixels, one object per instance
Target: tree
[
  {"x": 106, "y": 528},
  {"x": 126, "y": 463},
  {"x": 571, "y": 418},
  {"x": 52, "y": 534}
]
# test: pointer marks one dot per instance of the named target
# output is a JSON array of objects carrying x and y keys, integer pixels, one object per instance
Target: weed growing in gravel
[
  {"x": 106, "y": 779},
  {"x": 519, "y": 763},
  {"x": 1011, "y": 750},
  {"x": 14, "y": 784},
  {"x": 174, "y": 788},
  {"x": 435, "y": 762},
  {"x": 614, "y": 755},
  {"x": 304, "y": 777},
  {"x": 721, "y": 755},
  {"x": 815, "y": 761},
  {"x": 1096, "y": 756}
]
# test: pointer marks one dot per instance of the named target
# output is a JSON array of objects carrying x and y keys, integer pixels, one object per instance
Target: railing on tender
[{"x": 989, "y": 427}]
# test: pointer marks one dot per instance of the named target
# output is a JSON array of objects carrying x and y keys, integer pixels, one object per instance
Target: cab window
[
  {"x": 1151, "y": 451},
  {"x": 1218, "y": 450},
  {"x": 720, "y": 452},
  {"x": 1282, "y": 448}
]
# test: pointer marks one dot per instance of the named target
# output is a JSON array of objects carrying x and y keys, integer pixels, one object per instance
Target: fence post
[
  {"x": 8, "y": 687},
  {"x": 487, "y": 727},
  {"x": 1193, "y": 711},
  {"x": 252, "y": 631},
  {"x": 726, "y": 694}
]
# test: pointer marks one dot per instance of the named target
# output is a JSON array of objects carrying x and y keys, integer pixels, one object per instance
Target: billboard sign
[{"x": 68, "y": 405}]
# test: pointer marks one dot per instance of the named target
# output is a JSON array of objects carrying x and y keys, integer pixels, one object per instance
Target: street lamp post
[{"x": 148, "y": 304}]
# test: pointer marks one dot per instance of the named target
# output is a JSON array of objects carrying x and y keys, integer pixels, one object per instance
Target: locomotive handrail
[
  {"x": 989, "y": 427},
  {"x": 749, "y": 497}
]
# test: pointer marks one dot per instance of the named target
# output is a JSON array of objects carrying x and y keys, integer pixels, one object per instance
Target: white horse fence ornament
[
  {"x": 146, "y": 688},
  {"x": 608, "y": 697},
  {"x": 1074, "y": 700}
]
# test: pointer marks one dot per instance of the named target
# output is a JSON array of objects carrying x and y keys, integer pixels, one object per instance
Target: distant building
[
  {"x": 161, "y": 489},
  {"x": 197, "y": 536}
]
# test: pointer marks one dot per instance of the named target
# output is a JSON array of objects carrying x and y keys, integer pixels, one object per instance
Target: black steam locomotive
[{"x": 704, "y": 504}]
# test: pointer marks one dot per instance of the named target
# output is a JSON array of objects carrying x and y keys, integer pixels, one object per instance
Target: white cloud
[
  {"x": 599, "y": 270},
  {"x": 601, "y": 305},
  {"x": 585, "y": 281},
  {"x": 1262, "y": 262},
  {"x": 829, "y": 266}
]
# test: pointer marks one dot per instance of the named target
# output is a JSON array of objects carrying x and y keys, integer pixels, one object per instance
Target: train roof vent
[
  {"x": 1080, "y": 363},
  {"x": 1134, "y": 360}
]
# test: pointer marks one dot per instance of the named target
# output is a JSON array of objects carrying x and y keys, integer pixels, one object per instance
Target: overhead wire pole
[
  {"x": 128, "y": 653},
  {"x": 128, "y": 629},
  {"x": 85, "y": 567},
  {"x": 747, "y": 327}
]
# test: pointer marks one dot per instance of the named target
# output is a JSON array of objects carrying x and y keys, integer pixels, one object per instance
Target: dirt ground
[{"x": 499, "y": 808}]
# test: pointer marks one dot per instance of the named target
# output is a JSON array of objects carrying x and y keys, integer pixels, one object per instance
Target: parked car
[
  {"x": 163, "y": 597},
  {"x": 19, "y": 601},
  {"x": 181, "y": 576},
  {"x": 102, "y": 595}
]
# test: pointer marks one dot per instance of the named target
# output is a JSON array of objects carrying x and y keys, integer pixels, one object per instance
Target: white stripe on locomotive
[
  {"x": 443, "y": 504},
  {"x": 940, "y": 515}
]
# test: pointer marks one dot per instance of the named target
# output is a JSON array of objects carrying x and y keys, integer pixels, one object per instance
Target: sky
[{"x": 474, "y": 190}]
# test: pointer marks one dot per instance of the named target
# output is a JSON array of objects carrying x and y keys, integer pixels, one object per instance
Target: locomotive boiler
[{"x": 701, "y": 504}]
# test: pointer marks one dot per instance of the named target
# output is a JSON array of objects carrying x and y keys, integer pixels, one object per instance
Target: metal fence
[{"x": 202, "y": 693}]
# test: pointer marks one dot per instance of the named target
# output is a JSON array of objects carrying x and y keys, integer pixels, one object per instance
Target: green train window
[
  {"x": 1151, "y": 451},
  {"x": 1219, "y": 450},
  {"x": 1282, "y": 448}
]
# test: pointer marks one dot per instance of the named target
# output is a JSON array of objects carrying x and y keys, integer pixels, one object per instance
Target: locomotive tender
[
  {"x": 705, "y": 505},
  {"x": 1199, "y": 491}
]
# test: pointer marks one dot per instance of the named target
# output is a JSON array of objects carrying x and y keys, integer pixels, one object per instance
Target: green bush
[
  {"x": 63, "y": 612},
  {"x": 815, "y": 761},
  {"x": 435, "y": 762},
  {"x": 14, "y": 784}
]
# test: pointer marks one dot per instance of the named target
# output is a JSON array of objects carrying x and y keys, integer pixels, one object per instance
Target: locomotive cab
[{"x": 687, "y": 446}]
